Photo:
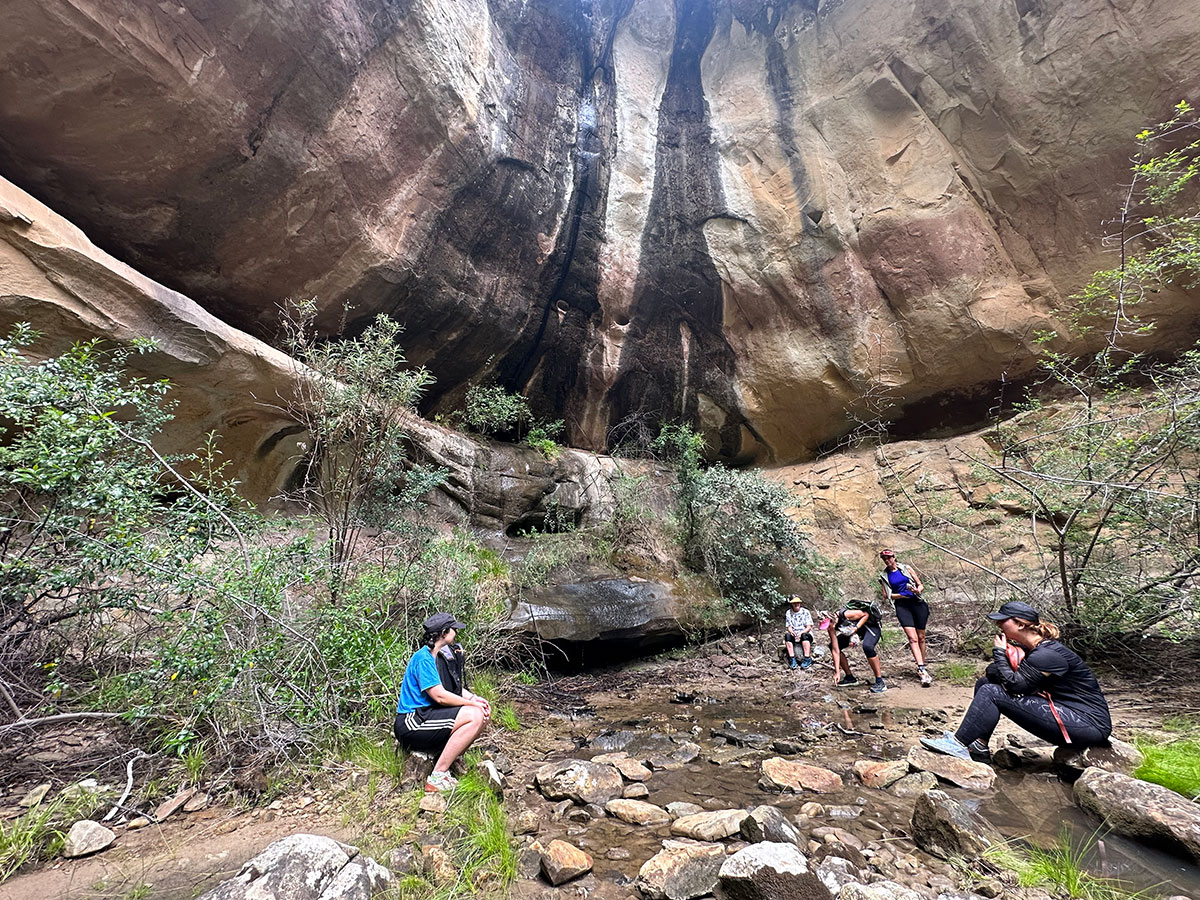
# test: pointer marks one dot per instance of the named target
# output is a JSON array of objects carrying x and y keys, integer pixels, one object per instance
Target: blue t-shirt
[
  {"x": 419, "y": 676},
  {"x": 900, "y": 583}
]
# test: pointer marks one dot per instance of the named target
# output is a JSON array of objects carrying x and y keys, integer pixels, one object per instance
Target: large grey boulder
[
  {"x": 1117, "y": 756},
  {"x": 769, "y": 871},
  {"x": 305, "y": 867},
  {"x": 682, "y": 870},
  {"x": 966, "y": 773},
  {"x": 579, "y": 780},
  {"x": 1139, "y": 809},
  {"x": 944, "y": 827}
]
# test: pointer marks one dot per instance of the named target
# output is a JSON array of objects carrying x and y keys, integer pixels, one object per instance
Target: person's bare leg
[
  {"x": 467, "y": 727},
  {"x": 916, "y": 644},
  {"x": 790, "y": 648},
  {"x": 921, "y": 641},
  {"x": 873, "y": 662}
]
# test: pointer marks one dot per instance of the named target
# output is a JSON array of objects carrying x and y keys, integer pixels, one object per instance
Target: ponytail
[{"x": 1042, "y": 629}]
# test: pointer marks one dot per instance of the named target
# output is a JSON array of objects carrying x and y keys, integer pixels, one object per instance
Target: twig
[
  {"x": 128, "y": 784},
  {"x": 11, "y": 702}
]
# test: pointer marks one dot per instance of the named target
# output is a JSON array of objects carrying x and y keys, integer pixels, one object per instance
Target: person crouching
[{"x": 431, "y": 718}]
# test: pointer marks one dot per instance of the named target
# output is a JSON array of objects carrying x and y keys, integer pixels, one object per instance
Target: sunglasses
[{"x": 886, "y": 556}]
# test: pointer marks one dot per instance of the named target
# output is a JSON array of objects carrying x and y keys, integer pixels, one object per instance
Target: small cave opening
[
  {"x": 564, "y": 656},
  {"x": 555, "y": 520}
]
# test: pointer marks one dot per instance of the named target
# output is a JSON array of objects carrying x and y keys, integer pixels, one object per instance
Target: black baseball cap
[
  {"x": 440, "y": 621},
  {"x": 1015, "y": 609}
]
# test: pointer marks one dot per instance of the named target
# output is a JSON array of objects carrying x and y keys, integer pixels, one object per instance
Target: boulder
[
  {"x": 768, "y": 823},
  {"x": 682, "y": 870},
  {"x": 880, "y": 773},
  {"x": 491, "y": 773},
  {"x": 836, "y": 872},
  {"x": 580, "y": 781},
  {"x": 416, "y": 769},
  {"x": 1139, "y": 809},
  {"x": 631, "y": 769},
  {"x": 635, "y": 791},
  {"x": 637, "y": 812},
  {"x": 880, "y": 890},
  {"x": 562, "y": 862},
  {"x": 303, "y": 867},
  {"x": 914, "y": 785},
  {"x": 966, "y": 773},
  {"x": 786, "y": 775},
  {"x": 85, "y": 838},
  {"x": 1117, "y": 756},
  {"x": 769, "y": 871},
  {"x": 710, "y": 826},
  {"x": 527, "y": 821},
  {"x": 944, "y": 827}
]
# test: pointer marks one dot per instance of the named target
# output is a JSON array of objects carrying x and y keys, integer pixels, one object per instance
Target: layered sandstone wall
[{"x": 746, "y": 213}]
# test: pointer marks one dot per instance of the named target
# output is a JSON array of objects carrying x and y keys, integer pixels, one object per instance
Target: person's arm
[
  {"x": 915, "y": 578},
  {"x": 1037, "y": 671},
  {"x": 858, "y": 617},
  {"x": 886, "y": 587}
]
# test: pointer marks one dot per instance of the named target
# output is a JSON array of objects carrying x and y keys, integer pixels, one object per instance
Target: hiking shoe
[
  {"x": 979, "y": 751},
  {"x": 846, "y": 681},
  {"x": 926, "y": 678},
  {"x": 439, "y": 782},
  {"x": 878, "y": 687},
  {"x": 806, "y": 663},
  {"x": 948, "y": 744},
  {"x": 793, "y": 664}
]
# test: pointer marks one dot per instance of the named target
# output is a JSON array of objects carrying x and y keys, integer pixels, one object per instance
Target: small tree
[{"x": 355, "y": 399}]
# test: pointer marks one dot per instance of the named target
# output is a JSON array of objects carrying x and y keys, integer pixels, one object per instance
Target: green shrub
[{"x": 490, "y": 409}]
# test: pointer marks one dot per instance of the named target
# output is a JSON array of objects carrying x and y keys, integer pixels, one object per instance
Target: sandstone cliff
[{"x": 747, "y": 213}]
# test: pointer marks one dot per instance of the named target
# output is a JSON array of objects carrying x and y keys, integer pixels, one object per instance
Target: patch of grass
[
  {"x": 379, "y": 755},
  {"x": 890, "y": 639},
  {"x": 1188, "y": 726},
  {"x": 1174, "y": 765},
  {"x": 139, "y": 891},
  {"x": 1060, "y": 869},
  {"x": 39, "y": 833},
  {"x": 194, "y": 763},
  {"x": 958, "y": 672}
]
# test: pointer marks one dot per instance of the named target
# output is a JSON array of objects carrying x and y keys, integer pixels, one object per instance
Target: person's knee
[{"x": 988, "y": 691}]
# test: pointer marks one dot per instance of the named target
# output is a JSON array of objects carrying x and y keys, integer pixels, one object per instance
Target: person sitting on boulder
[
  {"x": 431, "y": 718},
  {"x": 799, "y": 622},
  {"x": 857, "y": 620},
  {"x": 1035, "y": 680}
]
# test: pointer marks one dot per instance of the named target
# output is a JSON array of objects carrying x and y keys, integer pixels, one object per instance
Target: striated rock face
[{"x": 748, "y": 213}]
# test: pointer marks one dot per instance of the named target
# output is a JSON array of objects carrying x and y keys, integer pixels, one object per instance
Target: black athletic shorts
[
  {"x": 912, "y": 612},
  {"x": 804, "y": 636},
  {"x": 428, "y": 728}
]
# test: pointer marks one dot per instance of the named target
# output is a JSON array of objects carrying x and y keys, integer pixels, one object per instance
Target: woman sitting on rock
[
  {"x": 1036, "y": 681},
  {"x": 431, "y": 718}
]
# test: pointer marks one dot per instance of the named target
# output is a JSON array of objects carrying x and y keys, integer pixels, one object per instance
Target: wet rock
[
  {"x": 35, "y": 796},
  {"x": 579, "y": 814},
  {"x": 880, "y": 890},
  {"x": 1139, "y": 809},
  {"x": 675, "y": 759},
  {"x": 416, "y": 770},
  {"x": 580, "y": 781},
  {"x": 769, "y": 871},
  {"x": 768, "y": 823},
  {"x": 844, "y": 812},
  {"x": 635, "y": 791},
  {"x": 632, "y": 770},
  {"x": 710, "y": 826},
  {"x": 1020, "y": 758},
  {"x": 788, "y": 747},
  {"x": 836, "y": 872},
  {"x": 743, "y": 738},
  {"x": 682, "y": 870},
  {"x": 1118, "y": 756},
  {"x": 831, "y": 835},
  {"x": 812, "y": 809},
  {"x": 562, "y": 862},
  {"x": 637, "y": 812},
  {"x": 966, "y": 773},
  {"x": 783, "y": 774},
  {"x": 608, "y": 741},
  {"x": 914, "y": 785},
  {"x": 679, "y": 808},
  {"x": 560, "y": 809},
  {"x": 85, "y": 838},
  {"x": 944, "y": 827},
  {"x": 880, "y": 773},
  {"x": 840, "y": 850},
  {"x": 299, "y": 867},
  {"x": 616, "y": 853}
]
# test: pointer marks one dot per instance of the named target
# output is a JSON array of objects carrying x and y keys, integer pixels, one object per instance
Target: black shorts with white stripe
[{"x": 427, "y": 728}]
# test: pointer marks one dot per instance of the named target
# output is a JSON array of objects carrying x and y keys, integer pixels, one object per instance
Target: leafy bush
[{"x": 490, "y": 409}]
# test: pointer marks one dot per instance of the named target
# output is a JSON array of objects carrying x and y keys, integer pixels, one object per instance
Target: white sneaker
[
  {"x": 439, "y": 782},
  {"x": 926, "y": 678}
]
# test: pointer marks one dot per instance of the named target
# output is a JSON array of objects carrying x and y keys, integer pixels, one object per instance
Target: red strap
[{"x": 1015, "y": 654}]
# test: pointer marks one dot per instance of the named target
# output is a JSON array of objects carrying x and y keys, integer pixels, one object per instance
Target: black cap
[
  {"x": 1015, "y": 609},
  {"x": 439, "y": 622}
]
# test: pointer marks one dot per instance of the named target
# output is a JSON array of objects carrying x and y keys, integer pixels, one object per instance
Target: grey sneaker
[
  {"x": 878, "y": 687},
  {"x": 979, "y": 751},
  {"x": 948, "y": 744},
  {"x": 846, "y": 681}
]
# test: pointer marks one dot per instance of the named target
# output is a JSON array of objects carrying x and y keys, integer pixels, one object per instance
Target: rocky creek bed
[{"x": 643, "y": 781}]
